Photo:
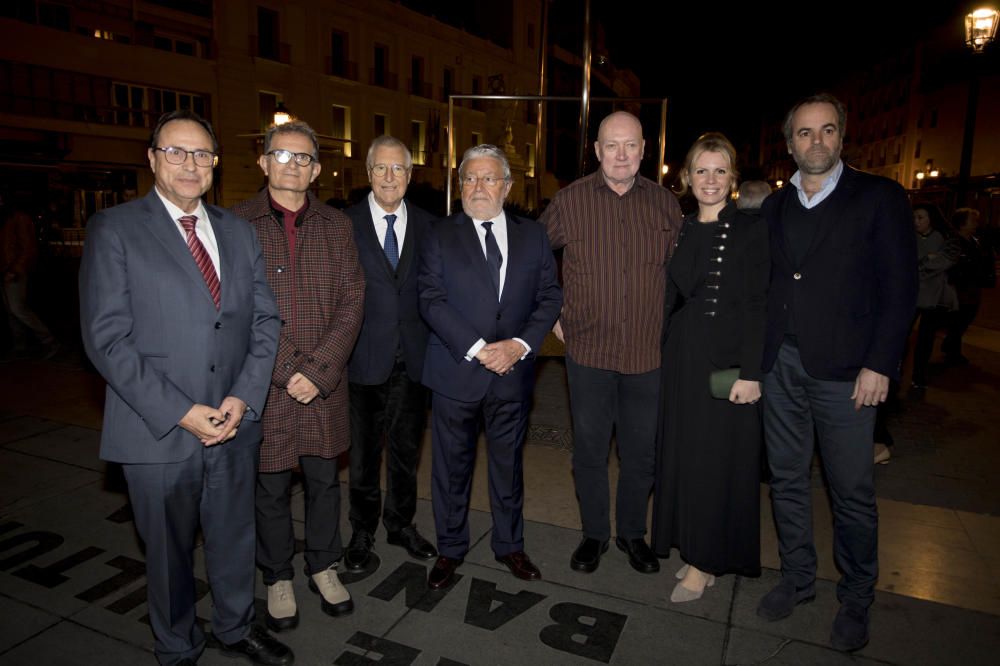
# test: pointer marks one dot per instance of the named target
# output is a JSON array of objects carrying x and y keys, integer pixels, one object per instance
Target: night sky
[{"x": 723, "y": 68}]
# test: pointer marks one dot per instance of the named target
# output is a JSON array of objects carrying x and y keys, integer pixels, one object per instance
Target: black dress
[{"x": 707, "y": 497}]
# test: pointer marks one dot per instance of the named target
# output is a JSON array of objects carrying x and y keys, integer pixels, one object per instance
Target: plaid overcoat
[{"x": 328, "y": 288}]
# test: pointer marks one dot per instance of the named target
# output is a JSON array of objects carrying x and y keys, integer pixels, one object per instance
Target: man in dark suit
[
  {"x": 843, "y": 292},
  {"x": 177, "y": 316},
  {"x": 388, "y": 402},
  {"x": 488, "y": 290}
]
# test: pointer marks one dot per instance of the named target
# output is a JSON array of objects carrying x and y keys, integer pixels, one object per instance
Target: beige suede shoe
[
  {"x": 334, "y": 598},
  {"x": 282, "y": 612}
]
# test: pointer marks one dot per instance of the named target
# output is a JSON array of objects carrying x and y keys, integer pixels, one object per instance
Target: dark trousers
[
  {"x": 958, "y": 323},
  {"x": 931, "y": 321},
  {"x": 390, "y": 416},
  {"x": 794, "y": 404},
  {"x": 275, "y": 537},
  {"x": 455, "y": 428},
  {"x": 602, "y": 401},
  {"x": 213, "y": 489}
]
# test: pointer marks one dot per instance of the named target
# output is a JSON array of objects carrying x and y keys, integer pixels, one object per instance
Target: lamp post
[{"x": 980, "y": 31}]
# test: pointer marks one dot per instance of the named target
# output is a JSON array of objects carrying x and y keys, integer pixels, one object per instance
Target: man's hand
[
  {"x": 557, "y": 329},
  {"x": 870, "y": 389},
  {"x": 232, "y": 410},
  {"x": 744, "y": 392},
  {"x": 301, "y": 388},
  {"x": 203, "y": 422},
  {"x": 505, "y": 354}
]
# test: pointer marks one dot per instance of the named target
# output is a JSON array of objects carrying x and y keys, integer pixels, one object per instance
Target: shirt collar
[
  {"x": 829, "y": 183},
  {"x": 378, "y": 212},
  {"x": 176, "y": 213}
]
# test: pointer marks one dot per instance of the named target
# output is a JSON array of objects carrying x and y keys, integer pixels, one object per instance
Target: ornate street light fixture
[
  {"x": 981, "y": 28},
  {"x": 281, "y": 114}
]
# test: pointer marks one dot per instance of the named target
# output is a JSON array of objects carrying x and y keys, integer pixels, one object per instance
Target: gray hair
[
  {"x": 388, "y": 142},
  {"x": 291, "y": 127},
  {"x": 753, "y": 193},
  {"x": 820, "y": 98},
  {"x": 485, "y": 150}
]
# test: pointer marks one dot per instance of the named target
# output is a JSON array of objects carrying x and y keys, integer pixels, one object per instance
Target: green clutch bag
[{"x": 720, "y": 382}]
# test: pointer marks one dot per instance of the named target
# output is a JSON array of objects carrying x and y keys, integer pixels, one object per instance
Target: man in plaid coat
[{"x": 313, "y": 269}]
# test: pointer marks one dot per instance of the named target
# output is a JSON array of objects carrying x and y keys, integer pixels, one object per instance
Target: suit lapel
[
  {"x": 469, "y": 236},
  {"x": 165, "y": 230},
  {"x": 227, "y": 257},
  {"x": 406, "y": 257},
  {"x": 370, "y": 238},
  {"x": 515, "y": 250}
]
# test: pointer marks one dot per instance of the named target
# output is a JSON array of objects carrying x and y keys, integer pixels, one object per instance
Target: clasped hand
[
  {"x": 215, "y": 425},
  {"x": 500, "y": 356}
]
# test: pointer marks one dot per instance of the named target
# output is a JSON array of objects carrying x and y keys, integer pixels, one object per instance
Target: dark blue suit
[
  {"x": 151, "y": 329},
  {"x": 841, "y": 302},
  {"x": 458, "y": 301},
  {"x": 388, "y": 403}
]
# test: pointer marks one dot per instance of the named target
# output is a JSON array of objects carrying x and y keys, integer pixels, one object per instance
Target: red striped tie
[{"x": 201, "y": 256}]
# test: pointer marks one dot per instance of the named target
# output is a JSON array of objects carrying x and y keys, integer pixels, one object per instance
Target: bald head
[{"x": 619, "y": 148}]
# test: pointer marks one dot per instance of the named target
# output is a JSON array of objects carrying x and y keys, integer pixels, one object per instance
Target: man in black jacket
[
  {"x": 388, "y": 402},
  {"x": 843, "y": 292}
]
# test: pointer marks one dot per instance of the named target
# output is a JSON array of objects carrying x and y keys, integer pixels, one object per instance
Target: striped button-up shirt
[{"x": 616, "y": 249}]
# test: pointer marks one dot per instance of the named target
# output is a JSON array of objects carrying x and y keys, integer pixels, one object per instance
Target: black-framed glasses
[
  {"x": 380, "y": 170},
  {"x": 202, "y": 158},
  {"x": 286, "y": 156}
]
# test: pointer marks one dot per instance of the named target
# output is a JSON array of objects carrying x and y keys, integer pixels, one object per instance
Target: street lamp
[
  {"x": 980, "y": 31},
  {"x": 281, "y": 114}
]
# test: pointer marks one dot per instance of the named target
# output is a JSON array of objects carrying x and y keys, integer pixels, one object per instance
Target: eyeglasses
[
  {"x": 202, "y": 158},
  {"x": 286, "y": 156},
  {"x": 488, "y": 181},
  {"x": 381, "y": 169}
]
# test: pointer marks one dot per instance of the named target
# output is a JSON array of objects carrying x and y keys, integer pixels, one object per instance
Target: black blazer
[
  {"x": 855, "y": 290},
  {"x": 391, "y": 310},
  {"x": 736, "y": 334},
  {"x": 458, "y": 301}
]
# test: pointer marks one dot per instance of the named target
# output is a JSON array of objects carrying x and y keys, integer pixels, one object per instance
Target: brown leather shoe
[
  {"x": 443, "y": 572},
  {"x": 520, "y": 565}
]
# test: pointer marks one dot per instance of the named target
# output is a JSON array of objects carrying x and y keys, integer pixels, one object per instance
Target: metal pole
[
  {"x": 451, "y": 153},
  {"x": 663, "y": 140},
  {"x": 585, "y": 97},
  {"x": 543, "y": 58}
]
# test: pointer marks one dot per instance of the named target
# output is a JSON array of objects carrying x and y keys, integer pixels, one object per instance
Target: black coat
[
  {"x": 391, "y": 310},
  {"x": 855, "y": 290},
  {"x": 736, "y": 334}
]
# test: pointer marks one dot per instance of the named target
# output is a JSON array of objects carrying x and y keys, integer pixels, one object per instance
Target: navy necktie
[
  {"x": 391, "y": 248},
  {"x": 493, "y": 257}
]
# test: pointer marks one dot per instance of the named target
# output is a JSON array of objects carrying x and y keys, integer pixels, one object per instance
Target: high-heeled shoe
[{"x": 682, "y": 594}]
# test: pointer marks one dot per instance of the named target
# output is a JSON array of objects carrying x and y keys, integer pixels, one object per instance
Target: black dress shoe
[
  {"x": 410, "y": 539},
  {"x": 261, "y": 648},
  {"x": 520, "y": 565},
  {"x": 587, "y": 555},
  {"x": 359, "y": 550},
  {"x": 442, "y": 573},
  {"x": 639, "y": 554}
]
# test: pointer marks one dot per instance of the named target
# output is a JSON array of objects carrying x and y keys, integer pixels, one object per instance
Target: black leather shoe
[
  {"x": 410, "y": 539},
  {"x": 850, "y": 628},
  {"x": 443, "y": 572},
  {"x": 261, "y": 648},
  {"x": 520, "y": 565},
  {"x": 639, "y": 554},
  {"x": 359, "y": 550},
  {"x": 587, "y": 555},
  {"x": 782, "y": 600}
]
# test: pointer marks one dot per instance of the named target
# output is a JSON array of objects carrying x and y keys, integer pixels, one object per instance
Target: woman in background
[{"x": 707, "y": 492}]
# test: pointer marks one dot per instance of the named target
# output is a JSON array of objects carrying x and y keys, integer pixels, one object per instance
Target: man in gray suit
[{"x": 177, "y": 316}]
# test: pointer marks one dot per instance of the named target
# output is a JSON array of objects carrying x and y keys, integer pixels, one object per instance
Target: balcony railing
[
  {"x": 345, "y": 70},
  {"x": 383, "y": 79},
  {"x": 420, "y": 88}
]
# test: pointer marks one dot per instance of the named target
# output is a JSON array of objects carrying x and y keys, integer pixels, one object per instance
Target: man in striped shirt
[{"x": 617, "y": 230}]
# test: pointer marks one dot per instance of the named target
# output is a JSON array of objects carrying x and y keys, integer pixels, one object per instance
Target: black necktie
[{"x": 493, "y": 257}]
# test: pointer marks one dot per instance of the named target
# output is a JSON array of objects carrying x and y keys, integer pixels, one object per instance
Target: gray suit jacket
[{"x": 151, "y": 329}]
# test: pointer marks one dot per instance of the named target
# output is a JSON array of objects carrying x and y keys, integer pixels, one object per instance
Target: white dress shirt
[
  {"x": 202, "y": 229},
  {"x": 829, "y": 185},
  {"x": 381, "y": 226},
  {"x": 499, "y": 230}
]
